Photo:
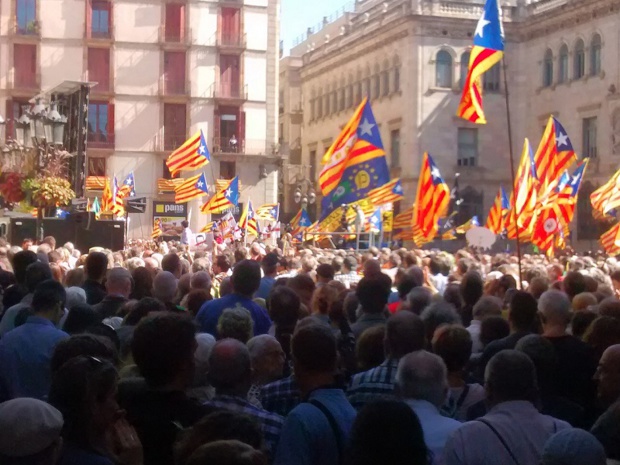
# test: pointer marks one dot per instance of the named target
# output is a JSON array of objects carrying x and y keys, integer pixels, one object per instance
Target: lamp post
[{"x": 304, "y": 194}]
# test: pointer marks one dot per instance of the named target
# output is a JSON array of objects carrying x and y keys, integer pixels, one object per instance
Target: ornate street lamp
[
  {"x": 55, "y": 126},
  {"x": 37, "y": 120},
  {"x": 23, "y": 128}
]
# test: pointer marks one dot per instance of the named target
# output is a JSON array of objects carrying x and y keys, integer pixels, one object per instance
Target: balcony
[
  {"x": 170, "y": 141},
  {"x": 27, "y": 28},
  {"x": 224, "y": 146},
  {"x": 172, "y": 87},
  {"x": 231, "y": 43},
  {"x": 175, "y": 37},
  {"x": 227, "y": 92},
  {"x": 100, "y": 140}
]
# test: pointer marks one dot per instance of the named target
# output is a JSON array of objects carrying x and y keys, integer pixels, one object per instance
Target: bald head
[
  {"x": 165, "y": 286},
  {"x": 423, "y": 376},
  {"x": 230, "y": 367},
  {"x": 404, "y": 333},
  {"x": 608, "y": 375}
]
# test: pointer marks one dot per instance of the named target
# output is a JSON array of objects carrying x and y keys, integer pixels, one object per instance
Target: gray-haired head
[
  {"x": 573, "y": 447},
  {"x": 422, "y": 376},
  {"x": 510, "y": 375},
  {"x": 236, "y": 323},
  {"x": 487, "y": 306},
  {"x": 165, "y": 286},
  {"x": 555, "y": 308},
  {"x": 201, "y": 280},
  {"x": 419, "y": 298}
]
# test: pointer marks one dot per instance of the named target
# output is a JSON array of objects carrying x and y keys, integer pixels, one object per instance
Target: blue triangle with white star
[
  {"x": 367, "y": 128},
  {"x": 203, "y": 149}
]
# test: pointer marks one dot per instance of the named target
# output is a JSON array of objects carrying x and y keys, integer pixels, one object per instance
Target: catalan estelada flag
[
  {"x": 363, "y": 167},
  {"x": 157, "y": 229},
  {"x": 223, "y": 200},
  {"x": 524, "y": 196},
  {"x": 404, "y": 219},
  {"x": 432, "y": 200},
  {"x": 607, "y": 197},
  {"x": 555, "y": 153},
  {"x": 388, "y": 193},
  {"x": 119, "y": 205},
  {"x": 193, "y": 154},
  {"x": 300, "y": 222},
  {"x": 497, "y": 215},
  {"x": 107, "y": 199},
  {"x": 610, "y": 240},
  {"x": 192, "y": 188},
  {"x": 128, "y": 189},
  {"x": 375, "y": 222},
  {"x": 269, "y": 212},
  {"x": 488, "y": 50},
  {"x": 471, "y": 223},
  {"x": 248, "y": 222}
]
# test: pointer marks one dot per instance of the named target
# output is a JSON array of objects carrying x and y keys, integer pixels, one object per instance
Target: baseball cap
[{"x": 28, "y": 426}]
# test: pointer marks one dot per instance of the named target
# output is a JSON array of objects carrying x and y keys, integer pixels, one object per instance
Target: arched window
[
  {"x": 464, "y": 68},
  {"x": 443, "y": 69},
  {"x": 491, "y": 79},
  {"x": 367, "y": 84},
  {"x": 563, "y": 64},
  {"x": 312, "y": 105},
  {"x": 334, "y": 104},
  {"x": 376, "y": 82},
  {"x": 385, "y": 78},
  {"x": 358, "y": 89},
  {"x": 341, "y": 95},
  {"x": 326, "y": 102},
  {"x": 595, "y": 55},
  {"x": 349, "y": 102},
  {"x": 548, "y": 68},
  {"x": 396, "y": 85},
  {"x": 579, "y": 63},
  {"x": 319, "y": 105}
]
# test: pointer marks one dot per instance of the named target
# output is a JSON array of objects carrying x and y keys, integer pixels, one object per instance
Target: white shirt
[{"x": 474, "y": 331}]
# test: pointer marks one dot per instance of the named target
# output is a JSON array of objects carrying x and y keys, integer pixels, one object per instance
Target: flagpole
[{"x": 512, "y": 166}]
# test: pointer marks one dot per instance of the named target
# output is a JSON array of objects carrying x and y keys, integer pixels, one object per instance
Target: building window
[
  {"x": 100, "y": 19},
  {"x": 395, "y": 148},
  {"x": 334, "y": 105},
  {"x": 228, "y": 169},
  {"x": 367, "y": 88},
  {"x": 491, "y": 79},
  {"x": 326, "y": 104},
  {"x": 174, "y": 73},
  {"x": 467, "y": 154},
  {"x": 580, "y": 60},
  {"x": 175, "y": 127},
  {"x": 25, "y": 63},
  {"x": 341, "y": 98},
  {"x": 443, "y": 69},
  {"x": 464, "y": 68},
  {"x": 312, "y": 165},
  {"x": 99, "y": 68},
  {"x": 100, "y": 124},
  {"x": 385, "y": 86},
  {"x": 174, "y": 22},
  {"x": 377, "y": 84},
  {"x": 26, "y": 13},
  {"x": 349, "y": 102},
  {"x": 96, "y": 166},
  {"x": 563, "y": 64},
  {"x": 358, "y": 93},
  {"x": 589, "y": 138},
  {"x": 595, "y": 55},
  {"x": 548, "y": 68},
  {"x": 396, "y": 75}
]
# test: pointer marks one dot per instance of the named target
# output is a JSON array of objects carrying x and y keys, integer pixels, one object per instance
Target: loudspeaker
[
  {"x": 102, "y": 233},
  {"x": 22, "y": 228},
  {"x": 61, "y": 229}
]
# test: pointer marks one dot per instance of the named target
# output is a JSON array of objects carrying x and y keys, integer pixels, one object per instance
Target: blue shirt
[
  {"x": 266, "y": 284},
  {"x": 307, "y": 437},
  {"x": 211, "y": 311},
  {"x": 25, "y": 354}
]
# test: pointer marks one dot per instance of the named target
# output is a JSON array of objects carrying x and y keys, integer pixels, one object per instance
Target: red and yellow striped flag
[
  {"x": 432, "y": 200},
  {"x": 610, "y": 240},
  {"x": 523, "y": 198},
  {"x": 497, "y": 214},
  {"x": 193, "y": 154},
  {"x": 157, "y": 229},
  {"x": 388, "y": 193},
  {"x": 191, "y": 188},
  {"x": 107, "y": 198}
]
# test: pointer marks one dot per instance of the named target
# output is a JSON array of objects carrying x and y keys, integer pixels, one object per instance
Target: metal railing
[
  {"x": 228, "y": 91},
  {"x": 100, "y": 140},
  {"x": 225, "y": 145},
  {"x": 170, "y": 86},
  {"x": 181, "y": 36},
  {"x": 232, "y": 41},
  {"x": 170, "y": 141}
]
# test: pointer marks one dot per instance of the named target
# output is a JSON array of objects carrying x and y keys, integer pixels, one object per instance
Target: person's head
[
  {"x": 472, "y": 288},
  {"x": 50, "y": 241},
  {"x": 283, "y": 305},
  {"x": 84, "y": 390},
  {"x": 404, "y": 333},
  {"x": 504, "y": 283},
  {"x": 542, "y": 353},
  {"x": 369, "y": 348},
  {"x": 218, "y": 426},
  {"x": 349, "y": 264},
  {"x": 172, "y": 263},
  {"x": 523, "y": 312},
  {"x": 372, "y": 269},
  {"x": 195, "y": 300},
  {"x": 325, "y": 273},
  {"x": 574, "y": 283},
  {"x": 602, "y": 333},
  {"x": 230, "y": 452},
  {"x": 230, "y": 368},
  {"x": 246, "y": 278},
  {"x": 96, "y": 266},
  {"x": 314, "y": 356},
  {"x": 373, "y": 293},
  {"x": 163, "y": 348},
  {"x": 573, "y": 446},
  {"x": 581, "y": 322},
  {"x": 20, "y": 262},
  {"x": 554, "y": 310},
  {"x": 437, "y": 314},
  {"x": 80, "y": 318},
  {"x": 453, "y": 344},
  {"x": 48, "y": 300},
  {"x": 269, "y": 263},
  {"x": 487, "y": 306},
  {"x": 510, "y": 375},
  {"x": 222, "y": 264},
  {"x": 538, "y": 286},
  {"x": 323, "y": 300},
  {"x": 610, "y": 307},
  {"x": 304, "y": 286},
  {"x": 30, "y": 432},
  {"x": 267, "y": 358},
  {"x": 165, "y": 286},
  {"x": 141, "y": 309},
  {"x": 87, "y": 345},
  {"x": 422, "y": 376},
  {"x": 119, "y": 282},
  {"x": 493, "y": 328},
  {"x": 240, "y": 254},
  {"x": 608, "y": 375},
  {"x": 185, "y": 224},
  {"x": 583, "y": 301},
  {"x": 36, "y": 273},
  {"x": 201, "y": 280},
  {"x": 74, "y": 277},
  {"x": 387, "y": 431},
  {"x": 235, "y": 323},
  {"x": 419, "y": 299}
]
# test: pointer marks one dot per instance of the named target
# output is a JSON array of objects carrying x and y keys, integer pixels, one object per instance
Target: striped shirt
[{"x": 374, "y": 384}]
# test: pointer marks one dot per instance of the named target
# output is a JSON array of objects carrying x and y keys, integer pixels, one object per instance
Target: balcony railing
[
  {"x": 171, "y": 141},
  {"x": 168, "y": 35},
  {"x": 226, "y": 91},
  {"x": 100, "y": 140},
  {"x": 28, "y": 28},
  {"x": 238, "y": 41},
  {"x": 170, "y": 86},
  {"x": 224, "y": 145}
]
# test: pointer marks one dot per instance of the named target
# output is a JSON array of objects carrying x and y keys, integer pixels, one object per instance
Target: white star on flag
[
  {"x": 199, "y": 184},
  {"x": 228, "y": 192},
  {"x": 561, "y": 139},
  {"x": 201, "y": 149},
  {"x": 482, "y": 23},
  {"x": 303, "y": 222},
  {"x": 435, "y": 172},
  {"x": 366, "y": 127},
  {"x": 398, "y": 189}
]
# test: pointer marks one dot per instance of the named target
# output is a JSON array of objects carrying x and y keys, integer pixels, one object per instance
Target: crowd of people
[{"x": 165, "y": 355}]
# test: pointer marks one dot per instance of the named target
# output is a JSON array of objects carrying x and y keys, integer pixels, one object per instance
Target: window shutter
[
  {"x": 241, "y": 135},
  {"x": 110, "y": 125},
  {"x": 89, "y": 18}
]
